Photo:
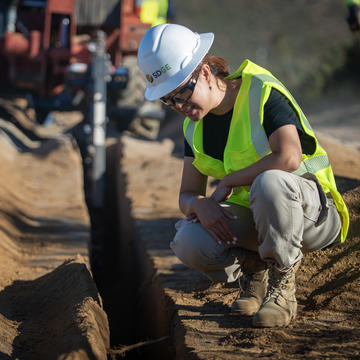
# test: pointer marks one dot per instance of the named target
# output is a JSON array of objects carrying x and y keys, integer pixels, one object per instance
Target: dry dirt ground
[
  {"x": 49, "y": 305},
  {"x": 197, "y": 312}
]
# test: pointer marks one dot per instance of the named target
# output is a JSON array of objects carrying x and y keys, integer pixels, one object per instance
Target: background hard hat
[{"x": 168, "y": 54}]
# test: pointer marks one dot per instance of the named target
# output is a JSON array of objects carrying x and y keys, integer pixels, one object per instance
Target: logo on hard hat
[
  {"x": 157, "y": 73},
  {"x": 149, "y": 78}
]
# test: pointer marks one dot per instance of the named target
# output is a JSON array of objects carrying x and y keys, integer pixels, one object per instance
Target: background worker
[
  {"x": 157, "y": 12},
  {"x": 353, "y": 14},
  {"x": 276, "y": 197}
]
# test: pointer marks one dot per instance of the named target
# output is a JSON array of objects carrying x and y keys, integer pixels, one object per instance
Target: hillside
[{"x": 304, "y": 43}]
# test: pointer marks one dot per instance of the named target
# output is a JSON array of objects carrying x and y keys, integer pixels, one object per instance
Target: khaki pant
[{"x": 289, "y": 215}]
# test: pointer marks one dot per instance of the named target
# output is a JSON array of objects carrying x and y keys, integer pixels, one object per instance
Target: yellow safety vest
[
  {"x": 154, "y": 12},
  {"x": 247, "y": 141}
]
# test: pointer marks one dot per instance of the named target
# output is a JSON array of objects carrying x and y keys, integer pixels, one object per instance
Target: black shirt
[{"x": 278, "y": 112}]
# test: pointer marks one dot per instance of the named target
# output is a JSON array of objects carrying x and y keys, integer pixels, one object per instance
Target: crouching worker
[{"x": 276, "y": 198}]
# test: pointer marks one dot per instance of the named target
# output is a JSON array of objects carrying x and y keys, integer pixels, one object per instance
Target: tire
[{"x": 133, "y": 97}]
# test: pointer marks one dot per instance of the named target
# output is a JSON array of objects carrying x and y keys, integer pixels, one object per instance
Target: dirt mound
[
  {"x": 50, "y": 306},
  {"x": 54, "y": 315}
]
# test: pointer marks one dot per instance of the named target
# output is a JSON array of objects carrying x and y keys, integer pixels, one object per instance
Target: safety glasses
[{"x": 183, "y": 95}]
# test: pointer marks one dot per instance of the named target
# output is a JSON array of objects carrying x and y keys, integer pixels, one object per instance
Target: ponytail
[{"x": 219, "y": 67}]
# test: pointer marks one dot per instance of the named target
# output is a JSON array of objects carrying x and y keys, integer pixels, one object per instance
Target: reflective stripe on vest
[
  {"x": 313, "y": 165},
  {"x": 258, "y": 135},
  {"x": 189, "y": 134}
]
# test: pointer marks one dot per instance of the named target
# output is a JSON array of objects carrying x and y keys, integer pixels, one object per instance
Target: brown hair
[{"x": 219, "y": 67}]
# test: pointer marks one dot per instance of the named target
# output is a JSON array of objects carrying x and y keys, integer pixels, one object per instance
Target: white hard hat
[{"x": 168, "y": 54}]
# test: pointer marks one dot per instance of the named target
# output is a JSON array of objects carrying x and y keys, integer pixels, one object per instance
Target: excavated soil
[{"x": 50, "y": 307}]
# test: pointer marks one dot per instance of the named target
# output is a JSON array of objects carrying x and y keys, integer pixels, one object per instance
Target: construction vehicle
[
  {"x": 50, "y": 50},
  {"x": 44, "y": 50}
]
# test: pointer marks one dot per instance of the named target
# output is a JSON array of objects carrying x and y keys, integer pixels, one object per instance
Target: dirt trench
[
  {"x": 54, "y": 304},
  {"x": 134, "y": 301}
]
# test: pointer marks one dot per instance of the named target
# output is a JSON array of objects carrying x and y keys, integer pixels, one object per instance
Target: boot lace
[
  {"x": 244, "y": 283},
  {"x": 278, "y": 281},
  {"x": 247, "y": 283}
]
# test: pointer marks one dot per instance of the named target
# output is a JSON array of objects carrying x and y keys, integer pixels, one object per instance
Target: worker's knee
[
  {"x": 195, "y": 247},
  {"x": 272, "y": 185}
]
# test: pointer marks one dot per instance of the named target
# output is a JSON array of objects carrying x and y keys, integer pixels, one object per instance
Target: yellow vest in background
[
  {"x": 154, "y": 12},
  {"x": 352, "y": 2},
  {"x": 247, "y": 142}
]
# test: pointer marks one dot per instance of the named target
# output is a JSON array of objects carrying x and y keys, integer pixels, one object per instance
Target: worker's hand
[
  {"x": 192, "y": 218},
  {"x": 222, "y": 192},
  {"x": 214, "y": 220},
  {"x": 354, "y": 18}
]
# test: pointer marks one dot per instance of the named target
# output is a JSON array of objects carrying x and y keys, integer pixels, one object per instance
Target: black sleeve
[
  {"x": 279, "y": 112},
  {"x": 187, "y": 149}
]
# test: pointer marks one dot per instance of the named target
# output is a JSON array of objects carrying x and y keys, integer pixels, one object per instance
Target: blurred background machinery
[
  {"x": 45, "y": 49},
  {"x": 80, "y": 55}
]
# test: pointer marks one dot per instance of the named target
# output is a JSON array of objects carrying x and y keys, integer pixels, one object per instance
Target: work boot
[
  {"x": 279, "y": 306},
  {"x": 253, "y": 285}
]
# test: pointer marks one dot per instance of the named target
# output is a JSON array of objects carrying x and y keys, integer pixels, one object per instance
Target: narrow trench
[{"x": 135, "y": 304}]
